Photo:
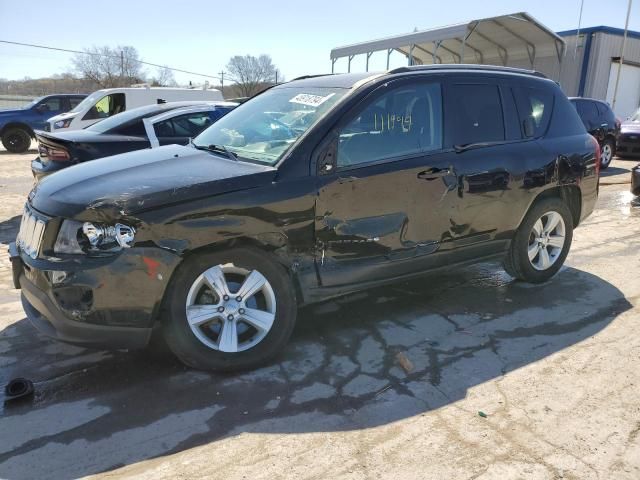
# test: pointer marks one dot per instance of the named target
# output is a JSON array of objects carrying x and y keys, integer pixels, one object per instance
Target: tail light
[
  {"x": 53, "y": 154},
  {"x": 598, "y": 152}
]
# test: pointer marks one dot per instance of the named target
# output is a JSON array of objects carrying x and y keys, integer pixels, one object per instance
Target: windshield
[
  {"x": 265, "y": 127},
  {"x": 88, "y": 102},
  {"x": 32, "y": 103},
  {"x": 636, "y": 116}
]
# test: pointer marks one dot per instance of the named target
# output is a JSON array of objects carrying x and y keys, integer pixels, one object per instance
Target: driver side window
[
  {"x": 106, "y": 107},
  {"x": 406, "y": 120}
]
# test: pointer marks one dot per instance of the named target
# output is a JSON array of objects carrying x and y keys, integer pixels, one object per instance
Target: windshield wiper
[{"x": 217, "y": 149}]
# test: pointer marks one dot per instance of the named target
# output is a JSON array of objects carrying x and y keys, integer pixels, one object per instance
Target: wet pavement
[{"x": 382, "y": 384}]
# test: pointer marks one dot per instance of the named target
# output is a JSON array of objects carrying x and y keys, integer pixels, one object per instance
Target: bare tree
[
  {"x": 109, "y": 67},
  {"x": 250, "y": 74},
  {"x": 164, "y": 78}
]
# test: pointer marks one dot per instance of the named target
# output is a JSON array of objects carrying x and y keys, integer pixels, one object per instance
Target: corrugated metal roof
[{"x": 496, "y": 40}]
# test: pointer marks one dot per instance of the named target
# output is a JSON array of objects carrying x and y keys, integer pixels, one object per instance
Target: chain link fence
[{"x": 14, "y": 101}]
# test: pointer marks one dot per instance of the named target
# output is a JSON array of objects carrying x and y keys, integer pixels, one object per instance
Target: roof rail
[
  {"x": 462, "y": 66},
  {"x": 304, "y": 77}
]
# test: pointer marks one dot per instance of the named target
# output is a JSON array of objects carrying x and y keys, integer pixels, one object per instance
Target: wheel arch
[
  {"x": 272, "y": 250},
  {"x": 20, "y": 125},
  {"x": 570, "y": 194}
]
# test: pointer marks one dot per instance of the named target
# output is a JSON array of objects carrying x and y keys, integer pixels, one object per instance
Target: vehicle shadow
[
  {"x": 9, "y": 229},
  {"x": 611, "y": 171},
  {"x": 32, "y": 149},
  {"x": 356, "y": 363}
]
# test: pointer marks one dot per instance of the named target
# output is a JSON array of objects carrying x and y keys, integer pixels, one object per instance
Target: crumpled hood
[{"x": 121, "y": 185}]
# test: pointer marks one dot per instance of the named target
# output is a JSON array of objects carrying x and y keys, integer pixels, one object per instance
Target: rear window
[
  {"x": 534, "y": 108},
  {"x": 478, "y": 114}
]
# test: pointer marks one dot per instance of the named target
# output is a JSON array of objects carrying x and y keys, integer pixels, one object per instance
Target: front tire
[
  {"x": 608, "y": 152},
  {"x": 228, "y": 311},
  {"x": 541, "y": 243},
  {"x": 16, "y": 140}
]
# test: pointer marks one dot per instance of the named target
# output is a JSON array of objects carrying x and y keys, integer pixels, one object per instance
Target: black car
[
  {"x": 602, "y": 123},
  {"x": 313, "y": 189},
  {"x": 635, "y": 180},
  {"x": 145, "y": 127},
  {"x": 629, "y": 140}
]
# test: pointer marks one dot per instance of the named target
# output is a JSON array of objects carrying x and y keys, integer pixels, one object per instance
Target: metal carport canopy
[{"x": 516, "y": 38}]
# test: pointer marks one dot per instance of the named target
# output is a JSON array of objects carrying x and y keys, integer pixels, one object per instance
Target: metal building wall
[{"x": 605, "y": 47}]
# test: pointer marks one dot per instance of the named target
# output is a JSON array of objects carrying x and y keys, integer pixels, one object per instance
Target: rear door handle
[{"x": 433, "y": 173}]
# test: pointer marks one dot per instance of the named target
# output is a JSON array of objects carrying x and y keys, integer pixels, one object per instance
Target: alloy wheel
[
  {"x": 607, "y": 154},
  {"x": 230, "y": 309},
  {"x": 546, "y": 240},
  {"x": 17, "y": 142}
]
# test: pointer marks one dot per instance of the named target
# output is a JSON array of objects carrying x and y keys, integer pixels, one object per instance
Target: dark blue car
[{"x": 17, "y": 126}]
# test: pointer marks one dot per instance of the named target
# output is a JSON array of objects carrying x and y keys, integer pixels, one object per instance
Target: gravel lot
[{"x": 384, "y": 384}]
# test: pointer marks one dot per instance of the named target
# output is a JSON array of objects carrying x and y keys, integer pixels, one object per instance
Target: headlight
[
  {"x": 67, "y": 241},
  {"x": 106, "y": 237},
  {"x": 62, "y": 123},
  {"x": 77, "y": 237}
]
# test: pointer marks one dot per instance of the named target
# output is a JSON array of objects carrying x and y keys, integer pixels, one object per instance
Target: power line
[{"x": 107, "y": 56}]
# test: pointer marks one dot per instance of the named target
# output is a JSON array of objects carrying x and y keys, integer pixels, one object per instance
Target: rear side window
[
  {"x": 534, "y": 107},
  {"x": 588, "y": 113},
  {"x": 187, "y": 125},
  {"x": 134, "y": 129},
  {"x": 477, "y": 110}
]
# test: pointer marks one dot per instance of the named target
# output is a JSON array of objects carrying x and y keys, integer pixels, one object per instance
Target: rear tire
[
  {"x": 608, "y": 152},
  {"x": 16, "y": 140},
  {"x": 541, "y": 243},
  {"x": 230, "y": 333}
]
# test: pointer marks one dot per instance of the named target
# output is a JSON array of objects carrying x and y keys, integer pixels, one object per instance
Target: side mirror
[{"x": 41, "y": 108}]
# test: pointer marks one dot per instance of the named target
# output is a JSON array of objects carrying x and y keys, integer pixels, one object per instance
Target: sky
[{"x": 201, "y": 35}]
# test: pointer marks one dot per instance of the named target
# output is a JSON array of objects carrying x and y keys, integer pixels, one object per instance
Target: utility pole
[
  {"x": 122, "y": 67},
  {"x": 276, "y": 76},
  {"x": 575, "y": 51},
  {"x": 624, "y": 43},
  {"x": 222, "y": 79}
]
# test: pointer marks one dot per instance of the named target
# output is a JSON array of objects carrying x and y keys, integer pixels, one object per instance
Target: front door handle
[{"x": 433, "y": 173}]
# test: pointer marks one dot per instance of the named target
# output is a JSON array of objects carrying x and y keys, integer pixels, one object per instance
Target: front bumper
[
  {"x": 635, "y": 180},
  {"x": 103, "y": 303},
  {"x": 628, "y": 144},
  {"x": 41, "y": 170}
]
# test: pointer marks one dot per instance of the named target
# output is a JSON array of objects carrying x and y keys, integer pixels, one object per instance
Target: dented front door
[{"x": 385, "y": 220}]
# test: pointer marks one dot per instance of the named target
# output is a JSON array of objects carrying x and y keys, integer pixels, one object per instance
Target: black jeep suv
[
  {"x": 315, "y": 188},
  {"x": 602, "y": 123}
]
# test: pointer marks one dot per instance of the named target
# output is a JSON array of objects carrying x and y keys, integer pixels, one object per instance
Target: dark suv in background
[
  {"x": 17, "y": 125},
  {"x": 602, "y": 123},
  {"x": 312, "y": 189}
]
